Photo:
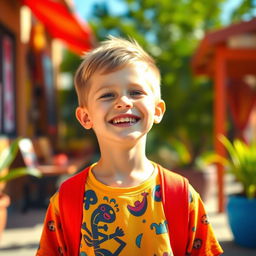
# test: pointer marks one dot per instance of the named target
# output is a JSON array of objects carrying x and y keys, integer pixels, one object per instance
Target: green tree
[{"x": 245, "y": 11}]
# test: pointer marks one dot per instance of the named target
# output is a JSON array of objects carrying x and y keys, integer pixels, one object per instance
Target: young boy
[{"x": 124, "y": 204}]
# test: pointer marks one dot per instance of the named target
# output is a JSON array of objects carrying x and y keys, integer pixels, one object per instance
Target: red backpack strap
[
  {"x": 71, "y": 194},
  {"x": 175, "y": 198}
]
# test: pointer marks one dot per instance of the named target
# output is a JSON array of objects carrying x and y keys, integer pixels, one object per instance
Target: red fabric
[
  {"x": 176, "y": 207},
  {"x": 175, "y": 201},
  {"x": 71, "y": 209},
  {"x": 62, "y": 24},
  {"x": 241, "y": 98}
]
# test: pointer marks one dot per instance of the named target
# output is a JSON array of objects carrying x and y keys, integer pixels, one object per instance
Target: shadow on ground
[
  {"x": 18, "y": 247},
  {"x": 25, "y": 220},
  {"x": 232, "y": 249}
]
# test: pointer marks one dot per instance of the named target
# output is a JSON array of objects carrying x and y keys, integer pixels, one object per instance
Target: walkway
[{"x": 23, "y": 230}]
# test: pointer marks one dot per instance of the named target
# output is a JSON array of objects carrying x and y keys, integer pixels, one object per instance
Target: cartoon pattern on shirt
[
  {"x": 139, "y": 208},
  {"x": 198, "y": 242},
  {"x": 204, "y": 219},
  {"x": 157, "y": 193},
  {"x": 51, "y": 225},
  {"x": 160, "y": 228},
  {"x": 106, "y": 214},
  {"x": 96, "y": 234},
  {"x": 138, "y": 240},
  {"x": 90, "y": 198}
]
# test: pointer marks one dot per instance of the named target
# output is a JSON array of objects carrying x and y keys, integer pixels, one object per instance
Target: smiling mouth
[{"x": 124, "y": 121}]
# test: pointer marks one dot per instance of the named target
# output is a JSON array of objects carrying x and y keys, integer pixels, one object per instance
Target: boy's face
[{"x": 122, "y": 105}]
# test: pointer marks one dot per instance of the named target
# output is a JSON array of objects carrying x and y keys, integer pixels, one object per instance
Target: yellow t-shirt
[
  {"x": 127, "y": 221},
  {"x": 124, "y": 221}
]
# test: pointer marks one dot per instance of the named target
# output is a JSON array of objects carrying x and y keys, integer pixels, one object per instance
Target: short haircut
[{"x": 111, "y": 55}]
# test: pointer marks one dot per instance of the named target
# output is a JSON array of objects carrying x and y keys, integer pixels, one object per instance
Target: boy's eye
[
  {"x": 107, "y": 95},
  {"x": 136, "y": 93}
]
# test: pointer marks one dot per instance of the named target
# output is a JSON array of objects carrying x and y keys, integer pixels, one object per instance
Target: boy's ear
[
  {"x": 82, "y": 116},
  {"x": 159, "y": 111}
]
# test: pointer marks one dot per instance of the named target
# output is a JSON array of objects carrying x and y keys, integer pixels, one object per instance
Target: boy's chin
[{"x": 129, "y": 138}]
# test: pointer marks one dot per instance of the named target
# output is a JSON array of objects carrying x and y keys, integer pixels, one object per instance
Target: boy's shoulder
[
  {"x": 82, "y": 175},
  {"x": 171, "y": 175},
  {"x": 68, "y": 189}
]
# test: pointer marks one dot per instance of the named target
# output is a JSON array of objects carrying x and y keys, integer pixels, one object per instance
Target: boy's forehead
[
  {"x": 131, "y": 70},
  {"x": 132, "y": 73}
]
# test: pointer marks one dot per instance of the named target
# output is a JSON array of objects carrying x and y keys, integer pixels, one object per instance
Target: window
[{"x": 7, "y": 83}]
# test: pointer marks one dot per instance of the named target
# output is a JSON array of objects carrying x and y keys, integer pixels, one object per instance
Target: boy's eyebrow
[
  {"x": 136, "y": 85},
  {"x": 107, "y": 86}
]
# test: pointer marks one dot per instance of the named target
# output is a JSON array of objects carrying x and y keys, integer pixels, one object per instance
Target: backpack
[{"x": 175, "y": 199}]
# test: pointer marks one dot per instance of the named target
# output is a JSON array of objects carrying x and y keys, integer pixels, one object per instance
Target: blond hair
[{"x": 112, "y": 54}]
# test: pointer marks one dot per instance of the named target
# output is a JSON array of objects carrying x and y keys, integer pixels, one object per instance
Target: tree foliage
[{"x": 245, "y": 11}]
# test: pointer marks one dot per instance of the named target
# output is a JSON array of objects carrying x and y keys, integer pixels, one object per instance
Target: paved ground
[{"x": 23, "y": 231}]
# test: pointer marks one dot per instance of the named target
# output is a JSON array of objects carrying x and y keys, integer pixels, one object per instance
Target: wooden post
[{"x": 220, "y": 77}]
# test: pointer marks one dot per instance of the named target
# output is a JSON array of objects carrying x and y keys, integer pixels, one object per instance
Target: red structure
[
  {"x": 228, "y": 56},
  {"x": 61, "y": 23}
]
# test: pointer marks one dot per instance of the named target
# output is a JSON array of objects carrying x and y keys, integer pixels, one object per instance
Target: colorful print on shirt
[
  {"x": 124, "y": 221},
  {"x": 137, "y": 229}
]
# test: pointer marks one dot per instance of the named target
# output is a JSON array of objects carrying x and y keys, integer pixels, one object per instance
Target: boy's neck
[{"x": 123, "y": 167}]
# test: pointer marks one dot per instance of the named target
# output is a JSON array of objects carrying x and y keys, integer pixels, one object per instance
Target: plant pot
[
  {"x": 241, "y": 216},
  {"x": 202, "y": 181},
  {"x": 4, "y": 203}
]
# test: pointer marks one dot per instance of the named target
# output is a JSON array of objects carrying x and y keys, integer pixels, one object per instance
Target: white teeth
[{"x": 124, "y": 120}]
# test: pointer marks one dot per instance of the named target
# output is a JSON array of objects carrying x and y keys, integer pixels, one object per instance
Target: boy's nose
[{"x": 123, "y": 102}]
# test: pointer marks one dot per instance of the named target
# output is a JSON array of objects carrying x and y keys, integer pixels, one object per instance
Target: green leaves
[
  {"x": 244, "y": 11},
  {"x": 18, "y": 172},
  {"x": 182, "y": 153},
  {"x": 7, "y": 156},
  {"x": 242, "y": 163}
]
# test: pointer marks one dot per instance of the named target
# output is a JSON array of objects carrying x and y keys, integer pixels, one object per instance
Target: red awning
[{"x": 62, "y": 24}]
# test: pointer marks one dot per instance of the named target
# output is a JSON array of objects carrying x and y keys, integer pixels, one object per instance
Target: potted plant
[
  {"x": 6, "y": 158},
  {"x": 241, "y": 208}
]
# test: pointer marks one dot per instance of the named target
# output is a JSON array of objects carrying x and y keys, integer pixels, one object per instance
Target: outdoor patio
[{"x": 23, "y": 230}]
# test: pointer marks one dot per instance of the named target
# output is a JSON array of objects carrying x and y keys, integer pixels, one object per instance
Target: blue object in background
[{"x": 242, "y": 219}]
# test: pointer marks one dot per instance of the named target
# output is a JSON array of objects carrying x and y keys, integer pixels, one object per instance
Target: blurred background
[{"x": 206, "y": 52}]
